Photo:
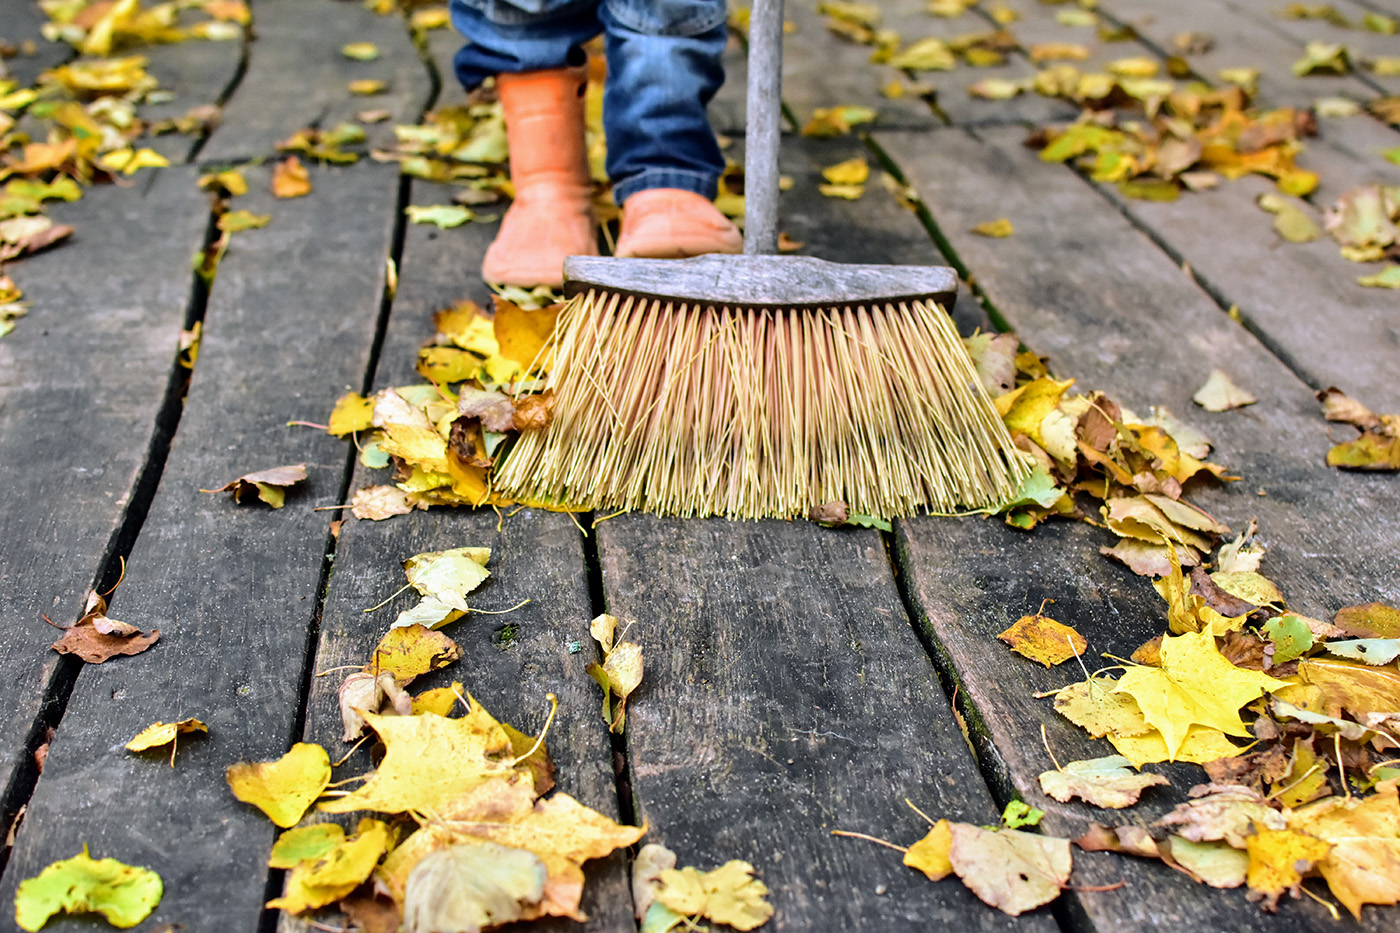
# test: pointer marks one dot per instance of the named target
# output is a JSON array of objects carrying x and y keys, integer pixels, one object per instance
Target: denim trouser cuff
[{"x": 701, "y": 183}]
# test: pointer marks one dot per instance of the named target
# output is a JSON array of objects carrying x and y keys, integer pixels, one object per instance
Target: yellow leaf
[
  {"x": 1363, "y": 866},
  {"x": 440, "y": 701},
  {"x": 1221, "y": 394},
  {"x": 360, "y": 51},
  {"x": 408, "y": 651},
  {"x": 1093, "y": 706},
  {"x": 164, "y": 733},
  {"x": 846, "y": 192},
  {"x": 522, "y": 335},
  {"x": 304, "y": 842},
  {"x": 1201, "y": 744},
  {"x": 728, "y": 894},
  {"x": 129, "y": 162},
  {"x": 429, "y": 762},
  {"x": 1139, "y": 66},
  {"x": 231, "y": 181},
  {"x": 1044, "y": 640},
  {"x": 366, "y": 87},
  {"x": 931, "y": 54},
  {"x": 560, "y": 831},
  {"x": 930, "y": 854},
  {"x": 1352, "y": 687},
  {"x": 471, "y": 886},
  {"x": 420, "y": 446},
  {"x": 1025, "y": 408},
  {"x": 284, "y": 788},
  {"x": 290, "y": 179},
  {"x": 353, "y": 412},
  {"x": 1103, "y": 782},
  {"x": 1195, "y": 685},
  {"x": 1063, "y": 51},
  {"x": 315, "y": 882},
  {"x": 996, "y": 229},
  {"x": 851, "y": 172},
  {"x": 450, "y": 575}
]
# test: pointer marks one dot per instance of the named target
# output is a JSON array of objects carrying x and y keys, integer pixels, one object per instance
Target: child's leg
[
  {"x": 536, "y": 57},
  {"x": 663, "y": 69}
]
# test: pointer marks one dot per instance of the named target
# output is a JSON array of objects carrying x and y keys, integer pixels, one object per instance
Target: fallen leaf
[
  {"x": 270, "y": 485},
  {"x": 837, "y": 121},
  {"x": 376, "y": 503},
  {"x": 331, "y": 875},
  {"x": 1290, "y": 220},
  {"x": 1194, "y": 685},
  {"x": 412, "y": 651},
  {"x": 123, "y": 894},
  {"x": 360, "y": 51},
  {"x": 429, "y": 762},
  {"x": 1370, "y": 620},
  {"x": 1387, "y": 278},
  {"x": 729, "y": 894},
  {"x": 1127, "y": 840},
  {"x": 1228, "y": 813},
  {"x": 471, "y": 886},
  {"x": 930, "y": 54},
  {"x": 1323, "y": 58},
  {"x": 1363, "y": 866},
  {"x": 524, "y": 335},
  {"x": 1010, "y": 870},
  {"x": 1094, "y": 706},
  {"x": 367, "y": 691},
  {"x": 304, "y": 842},
  {"x": 164, "y": 733},
  {"x": 236, "y": 221},
  {"x": 95, "y": 638},
  {"x": 448, "y": 576},
  {"x": 1278, "y": 859},
  {"x": 367, "y": 87},
  {"x": 283, "y": 789},
  {"x": 996, "y": 229},
  {"x": 619, "y": 674},
  {"x": 1217, "y": 864},
  {"x": 1103, "y": 782},
  {"x": 851, "y": 172},
  {"x": 931, "y": 854},
  {"x": 1221, "y": 394},
  {"x": 290, "y": 179},
  {"x": 1349, "y": 687},
  {"x": 1044, "y": 640}
]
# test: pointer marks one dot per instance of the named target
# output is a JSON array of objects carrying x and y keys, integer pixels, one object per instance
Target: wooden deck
[{"x": 799, "y": 679}]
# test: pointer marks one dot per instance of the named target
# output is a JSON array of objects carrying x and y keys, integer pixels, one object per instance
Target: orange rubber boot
[
  {"x": 552, "y": 216},
  {"x": 671, "y": 223}
]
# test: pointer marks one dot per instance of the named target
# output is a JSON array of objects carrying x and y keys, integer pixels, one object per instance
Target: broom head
[{"x": 756, "y": 386}]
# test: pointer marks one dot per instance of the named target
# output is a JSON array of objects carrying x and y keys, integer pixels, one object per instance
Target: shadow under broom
[{"x": 762, "y": 386}]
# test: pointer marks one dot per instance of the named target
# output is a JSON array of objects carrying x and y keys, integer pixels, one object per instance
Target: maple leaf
[
  {"x": 729, "y": 894},
  {"x": 1202, "y": 744},
  {"x": 1103, "y": 782},
  {"x": 270, "y": 485},
  {"x": 429, "y": 762},
  {"x": 123, "y": 894},
  {"x": 1363, "y": 865},
  {"x": 1194, "y": 685},
  {"x": 470, "y": 886},
  {"x": 525, "y": 335},
  {"x": 1010, "y": 870},
  {"x": 1044, "y": 640},
  {"x": 283, "y": 789}
]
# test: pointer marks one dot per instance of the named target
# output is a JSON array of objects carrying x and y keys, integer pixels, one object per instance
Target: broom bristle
[{"x": 692, "y": 409}]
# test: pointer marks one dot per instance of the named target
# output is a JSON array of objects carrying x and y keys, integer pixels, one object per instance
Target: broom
[{"x": 759, "y": 385}]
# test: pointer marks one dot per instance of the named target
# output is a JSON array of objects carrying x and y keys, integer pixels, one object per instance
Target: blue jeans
[{"x": 663, "y": 69}]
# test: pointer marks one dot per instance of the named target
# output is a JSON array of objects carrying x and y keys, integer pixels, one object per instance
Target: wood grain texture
[
  {"x": 1109, "y": 309},
  {"x": 85, "y": 375},
  {"x": 233, "y": 589},
  {"x": 785, "y": 697},
  {"x": 510, "y": 661},
  {"x": 297, "y": 76},
  {"x": 197, "y": 73}
]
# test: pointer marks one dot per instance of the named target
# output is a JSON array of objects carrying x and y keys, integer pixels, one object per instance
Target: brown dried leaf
[
  {"x": 534, "y": 412},
  {"x": 376, "y": 503},
  {"x": 270, "y": 485}
]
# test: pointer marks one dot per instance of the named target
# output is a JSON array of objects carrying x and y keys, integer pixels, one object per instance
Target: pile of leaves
[
  {"x": 443, "y": 437},
  {"x": 1099, "y": 462}
]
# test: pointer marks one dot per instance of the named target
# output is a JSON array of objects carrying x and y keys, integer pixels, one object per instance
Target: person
[{"x": 664, "y": 67}]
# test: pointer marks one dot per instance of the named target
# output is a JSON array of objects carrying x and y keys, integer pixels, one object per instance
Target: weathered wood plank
[
  {"x": 85, "y": 378},
  {"x": 297, "y": 76},
  {"x": 1110, "y": 309},
  {"x": 785, "y": 694},
  {"x": 511, "y": 661},
  {"x": 197, "y": 73},
  {"x": 35, "y": 55},
  {"x": 234, "y": 589},
  {"x": 1362, "y": 45}
]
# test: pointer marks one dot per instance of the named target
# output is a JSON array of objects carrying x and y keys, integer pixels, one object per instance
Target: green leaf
[
  {"x": 1038, "y": 489},
  {"x": 444, "y": 215},
  {"x": 1018, "y": 813},
  {"x": 869, "y": 521},
  {"x": 1389, "y": 278},
  {"x": 234, "y": 221},
  {"x": 1291, "y": 637},
  {"x": 124, "y": 894}
]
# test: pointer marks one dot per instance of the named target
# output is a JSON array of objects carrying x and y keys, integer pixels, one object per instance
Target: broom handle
[{"x": 765, "y": 106}]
